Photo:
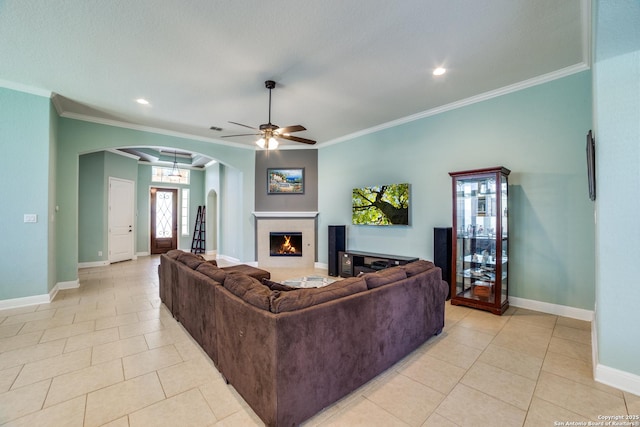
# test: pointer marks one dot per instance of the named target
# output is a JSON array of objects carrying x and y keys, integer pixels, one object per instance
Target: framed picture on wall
[{"x": 285, "y": 181}]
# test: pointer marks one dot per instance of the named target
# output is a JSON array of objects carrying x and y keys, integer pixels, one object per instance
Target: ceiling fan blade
[
  {"x": 240, "y": 124},
  {"x": 297, "y": 139},
  {"x": 289, "y": 129},
  {"x": 242, "y": 134}
]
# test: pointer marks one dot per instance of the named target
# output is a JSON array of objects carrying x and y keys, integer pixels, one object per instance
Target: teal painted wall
[
  {"x": 617, "y": 133},
  {"x": 230, "y": 221},
  {"x": 78, "y": 137},
  {"x": 91, "y": 208},
  {"x": 95, "y": 169},
  {"x": 25, "y": 133},
  {"x": 142, "y": 209},
  {"x": 53, "y": 148},
  {"x": 538, "y": 133},
  {"x": 212, "y": 190},
  {"x": 197, "y": 195}
]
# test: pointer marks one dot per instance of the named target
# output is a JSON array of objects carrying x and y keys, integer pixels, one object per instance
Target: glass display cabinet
[{"x": 480, "y": 259}]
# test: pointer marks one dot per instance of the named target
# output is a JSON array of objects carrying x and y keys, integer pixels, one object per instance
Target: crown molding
[
  {"x": 25, "y": 88},
  {"x": 150, "y": 129}
]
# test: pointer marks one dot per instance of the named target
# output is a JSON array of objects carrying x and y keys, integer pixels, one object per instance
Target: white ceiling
[{"x": 342, "y": 67}]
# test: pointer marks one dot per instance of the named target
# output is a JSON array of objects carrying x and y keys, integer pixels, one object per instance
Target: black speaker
[
  {"x": 337, "y": 241},
  {"x": 442, "y": 252}
]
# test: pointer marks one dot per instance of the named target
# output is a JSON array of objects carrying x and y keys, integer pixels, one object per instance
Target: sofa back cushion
[
  {"x": 174, "y": 253},
  {"x": 384, "y": 277},
  {"x": 275, "y": 286},
  {"x": 249, "y": 289},
  {"x": 416, "y": 267},
  {"x": 302, "y": 298},
  {"x": 190, "y": 260},
  {"x": 213, "y": 271},
  {"x": 254, "y": 272}
]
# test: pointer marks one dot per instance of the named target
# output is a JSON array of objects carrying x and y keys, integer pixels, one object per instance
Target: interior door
[
  {"x": 121, "y": 219},
  {"x": 164, "y": 220}
]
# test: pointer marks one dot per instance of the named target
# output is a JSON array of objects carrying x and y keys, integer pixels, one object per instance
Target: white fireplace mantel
[{"x": 274, "y": 214}]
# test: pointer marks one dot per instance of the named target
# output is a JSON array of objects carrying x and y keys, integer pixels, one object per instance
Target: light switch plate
[{"x": 30, "y": 218}]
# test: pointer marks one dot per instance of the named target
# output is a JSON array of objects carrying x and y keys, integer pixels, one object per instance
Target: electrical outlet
[
  {"x": 30, "y": 218},
  {"x": 99, "y": 253}
]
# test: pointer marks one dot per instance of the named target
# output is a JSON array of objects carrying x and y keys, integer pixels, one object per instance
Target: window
[
  {"x": 184, "y": 212},
  {"x": 162, "y": 174}
]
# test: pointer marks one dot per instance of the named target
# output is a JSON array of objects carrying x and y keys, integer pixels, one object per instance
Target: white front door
[{"x": 121, "y": 219}]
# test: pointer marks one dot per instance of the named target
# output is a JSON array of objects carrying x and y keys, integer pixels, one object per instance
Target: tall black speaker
[
  {"x": 337, "y": 242},
  {"x": 442, "y": 252}
]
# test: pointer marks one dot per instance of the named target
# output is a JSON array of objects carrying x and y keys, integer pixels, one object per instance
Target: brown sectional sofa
[{"x": 291, "y": 353}]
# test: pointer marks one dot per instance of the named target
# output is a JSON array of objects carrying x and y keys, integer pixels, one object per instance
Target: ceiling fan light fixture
[{"x": 268, "y": 132}]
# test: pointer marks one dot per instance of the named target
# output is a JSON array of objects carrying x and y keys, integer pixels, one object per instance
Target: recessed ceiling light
[
  {"x": 439, "y": 71},
  {"x": 142, "y": 101}
]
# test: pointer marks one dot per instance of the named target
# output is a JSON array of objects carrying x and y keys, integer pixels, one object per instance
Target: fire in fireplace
[{"x": 285, "y": 244}]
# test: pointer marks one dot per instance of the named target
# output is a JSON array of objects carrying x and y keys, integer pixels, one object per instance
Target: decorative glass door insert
[{"x": 164, "y": 220}]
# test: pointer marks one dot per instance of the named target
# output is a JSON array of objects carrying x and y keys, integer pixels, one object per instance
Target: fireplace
[
  {"x": 285, "y": 244},
  {"x": 288, "y": 224}
]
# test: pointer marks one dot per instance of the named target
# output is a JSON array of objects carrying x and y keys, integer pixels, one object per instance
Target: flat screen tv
[
  {"x": 591, "y": 165},
  {"x": 381, "y": 205}
]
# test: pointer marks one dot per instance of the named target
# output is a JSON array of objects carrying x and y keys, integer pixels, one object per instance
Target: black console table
[{"x": 353, "y": 263}]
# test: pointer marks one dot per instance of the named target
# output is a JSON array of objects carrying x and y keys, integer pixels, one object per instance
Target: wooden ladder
[{"x": 197, "y": 243}]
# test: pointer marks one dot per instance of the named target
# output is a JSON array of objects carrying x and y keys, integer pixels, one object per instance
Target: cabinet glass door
[
  {"x": 504, "y": 223},
  {"x": 480, "y": 229},
  {"x": 476, "y": 238}
]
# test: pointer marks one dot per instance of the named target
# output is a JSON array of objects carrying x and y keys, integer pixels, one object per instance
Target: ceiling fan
[{"x": 268, "y": 132}]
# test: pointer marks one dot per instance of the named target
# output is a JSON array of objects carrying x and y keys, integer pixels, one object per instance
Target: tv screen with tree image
[{"x": 381, "y": 205}]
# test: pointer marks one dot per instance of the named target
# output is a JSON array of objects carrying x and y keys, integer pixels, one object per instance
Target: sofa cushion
[
  {"x": 248, "y": 270},
  {"x": 416, "y": 267},
  {"x": 212, "y": 271},
  {"x": 275, "y": 286},
  {"x": 384, "y": 277},
  {"x": 191, "y": 260},
  {"x": 174, "y": 253},
  {"x": 291, "y": 301},
  {"x": 249, "y": 289}
]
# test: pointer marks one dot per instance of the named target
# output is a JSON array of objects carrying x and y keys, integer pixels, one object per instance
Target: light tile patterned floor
[{"x": 110, "y": 354}]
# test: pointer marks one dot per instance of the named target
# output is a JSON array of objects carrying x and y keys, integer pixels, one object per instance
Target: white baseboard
[
  {"x": 610, "y": 376},
  {"x": 594, "y": 344},
  {"x": 546, "y": 307},
  {"x": 212, "y": 252},
  {"x": 93, "y": 264},
  {"x": 616, "y": 378},
  {"x": 38, "y": 299},
  {"x": 142, "y": 254},
  {"x": 321, "y": 265},
  {"x": 25, "y": 301},
  {"x": 73, "y": 284}
]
